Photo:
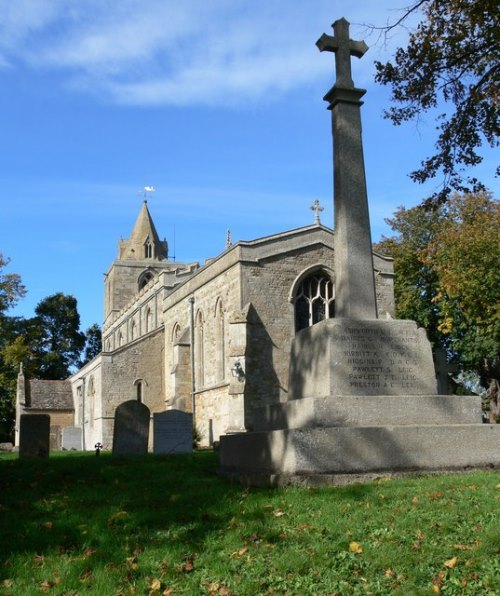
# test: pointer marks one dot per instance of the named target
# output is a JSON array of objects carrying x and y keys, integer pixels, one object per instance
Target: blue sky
[{"x": 216, "y": 104}]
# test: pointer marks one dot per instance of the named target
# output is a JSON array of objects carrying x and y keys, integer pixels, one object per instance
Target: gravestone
[
  {"x": 131, "y": 429},
  {"x": 55, "y": 438},
  {"x": 172, "y": 432},
  {"x": 72, "y": 439},
  {"x": 34, "y": 435},
  {"x": 362, "y": 392}
]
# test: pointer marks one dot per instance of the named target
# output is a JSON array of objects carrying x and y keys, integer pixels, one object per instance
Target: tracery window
[{"x": 314, "y": 300}]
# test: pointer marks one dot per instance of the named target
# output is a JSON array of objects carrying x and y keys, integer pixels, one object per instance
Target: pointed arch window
[
  {"x": 314, "y": 300},
  {"x": 199, "y": 351},
  {"x": 148, "y": 249},
  {"x": 149, "y": 320},
  {"x": 144, "y": 279}
]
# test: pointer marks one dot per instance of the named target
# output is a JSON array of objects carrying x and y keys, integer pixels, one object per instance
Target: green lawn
[{"x": 78, "y": 524}]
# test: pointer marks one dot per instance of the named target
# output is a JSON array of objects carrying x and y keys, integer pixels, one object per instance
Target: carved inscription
[{"x": 378, "y": 359}]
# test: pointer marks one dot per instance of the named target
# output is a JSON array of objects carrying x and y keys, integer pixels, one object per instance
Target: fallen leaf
[
  {"x": 213, "y": 588},
  {"x": 168, "y": 592},
  {"x": 223, "y": 591},
  {"x": 8, "y": 583},
  {"x": 155, "y": 585},
  {"x": 48, "y": 525},
  {"x": 497, "y": 486},
  {"x": 451, "y": 563},
  {"x": 414, "y": 500},
  {"x": 419, "y": 535},
  {"x": 239, "y": 553},
  {"x": 356, "y": 548},
  {"x": 436, "y": 589},
  {"x": 436, "y": 495},
  {"x": 188, "y": 566},
  {"x": 389, "y": 573},
  {"x": 45, "y": 586},
  {"x": 278, "y": 513}
]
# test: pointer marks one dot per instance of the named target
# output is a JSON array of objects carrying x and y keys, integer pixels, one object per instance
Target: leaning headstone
[
  {"x": 131, "y": 430},
  {"x": 34, "y": 435},
  {"x": 172, "y": 432},
  {"x": 72, "y": 439}
]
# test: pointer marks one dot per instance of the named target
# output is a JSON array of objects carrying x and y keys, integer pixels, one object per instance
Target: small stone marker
[
  {"x": 55, "y": 438},
  {"x": 131, "y": 431},
  {"x": 34, "y": 435},
  {"x": 172, "y": 432},
  {"x": 72, "y": 439}
]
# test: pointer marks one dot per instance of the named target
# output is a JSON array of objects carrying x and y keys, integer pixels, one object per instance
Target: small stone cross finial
[
  {"x": 229, "y": 241},
  {"x": 317, "y": 208},
  {"x": 344, "y": 48}
]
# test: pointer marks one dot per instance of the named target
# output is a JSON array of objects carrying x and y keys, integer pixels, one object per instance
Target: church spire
[{"x": 144, "y": 242}]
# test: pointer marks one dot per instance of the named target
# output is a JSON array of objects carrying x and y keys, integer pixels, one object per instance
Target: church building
[{"x": 213, "y": 339}]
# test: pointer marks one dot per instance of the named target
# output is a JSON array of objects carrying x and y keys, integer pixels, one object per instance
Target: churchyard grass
[{"x": 80, "y": 524}]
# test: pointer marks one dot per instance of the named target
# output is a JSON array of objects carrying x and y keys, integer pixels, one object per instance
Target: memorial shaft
[{"x": 355, "y": 296}]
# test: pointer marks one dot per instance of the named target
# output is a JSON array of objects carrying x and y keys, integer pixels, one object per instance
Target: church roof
[{"x": 51, "y": 395}]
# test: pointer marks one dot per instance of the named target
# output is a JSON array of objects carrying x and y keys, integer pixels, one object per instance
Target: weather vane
[{"x": 146, "y": 192}]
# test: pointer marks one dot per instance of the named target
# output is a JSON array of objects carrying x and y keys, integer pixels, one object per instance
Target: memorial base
[
  {"x": 339, "y": 455},
  {"x": 363, "y": 403}
]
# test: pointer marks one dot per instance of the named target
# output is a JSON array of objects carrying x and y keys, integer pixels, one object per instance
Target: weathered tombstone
[
  {"x": 131, "y": 430},
  {"x": 55, "y": 440},
  {"x": 34, "y": 435},
  {"x": 72, "y": 439},
  {"x": 172, "y": 432}
]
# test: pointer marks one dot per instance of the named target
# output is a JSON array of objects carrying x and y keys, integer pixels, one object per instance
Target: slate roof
[{"x": 51, "y": 395}]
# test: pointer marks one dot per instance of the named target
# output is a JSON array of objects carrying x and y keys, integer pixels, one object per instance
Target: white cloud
[{"x": 194, "y": 51}]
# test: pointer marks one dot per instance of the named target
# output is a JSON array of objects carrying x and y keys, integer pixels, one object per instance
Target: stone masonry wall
[
  {"x": 140, "y": 361},
  {"x": 215, "y": 289}
]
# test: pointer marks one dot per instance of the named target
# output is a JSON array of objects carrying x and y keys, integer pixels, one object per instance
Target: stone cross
[
  {"x": 355, "y": 296},
  {"x": 317, "y": 208},
  {"x": 344, "y": 48}
]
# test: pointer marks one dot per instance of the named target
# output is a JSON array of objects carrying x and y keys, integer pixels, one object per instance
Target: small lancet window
[
  {"x": 148, "y": 249},
  {"x": 314, "y": 301}
]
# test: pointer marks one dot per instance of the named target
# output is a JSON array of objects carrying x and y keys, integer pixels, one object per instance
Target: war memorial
[{"x": 362, "y": 393}]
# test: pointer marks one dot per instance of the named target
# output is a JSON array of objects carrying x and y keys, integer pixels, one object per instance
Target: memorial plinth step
[
  {"x": 369, "y": 410},
  {"x": 250, "y": 457}
]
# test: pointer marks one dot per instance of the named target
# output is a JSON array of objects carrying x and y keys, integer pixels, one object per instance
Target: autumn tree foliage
[
  {"x": 451, "y": 63},
  {"x": 446, "y": 263}
]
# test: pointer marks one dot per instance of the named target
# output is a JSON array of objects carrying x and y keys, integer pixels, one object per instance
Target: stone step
[
  {"x": 359, "y": 450},
  {"x": 369, "y": 410}
]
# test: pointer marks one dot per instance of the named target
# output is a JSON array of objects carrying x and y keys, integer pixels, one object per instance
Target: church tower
[{"x": 140, "y": 258}]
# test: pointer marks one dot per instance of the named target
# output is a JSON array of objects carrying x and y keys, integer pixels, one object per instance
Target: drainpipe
[
  {"x": 193, "y": 379},
  {"x": 83, "y": 413}
]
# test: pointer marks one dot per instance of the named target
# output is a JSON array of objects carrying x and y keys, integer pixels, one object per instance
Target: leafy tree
[
  {"x": 453, "y": 56},
  {"x": 446, "y": 263},
  {"x": 11, "y": 290},
  {"x": 60, "y": 343},
  {"x": 93, "y": 343}
]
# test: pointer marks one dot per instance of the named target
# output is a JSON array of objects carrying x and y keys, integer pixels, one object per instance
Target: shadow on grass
[{"x": 122, "y": 520}]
